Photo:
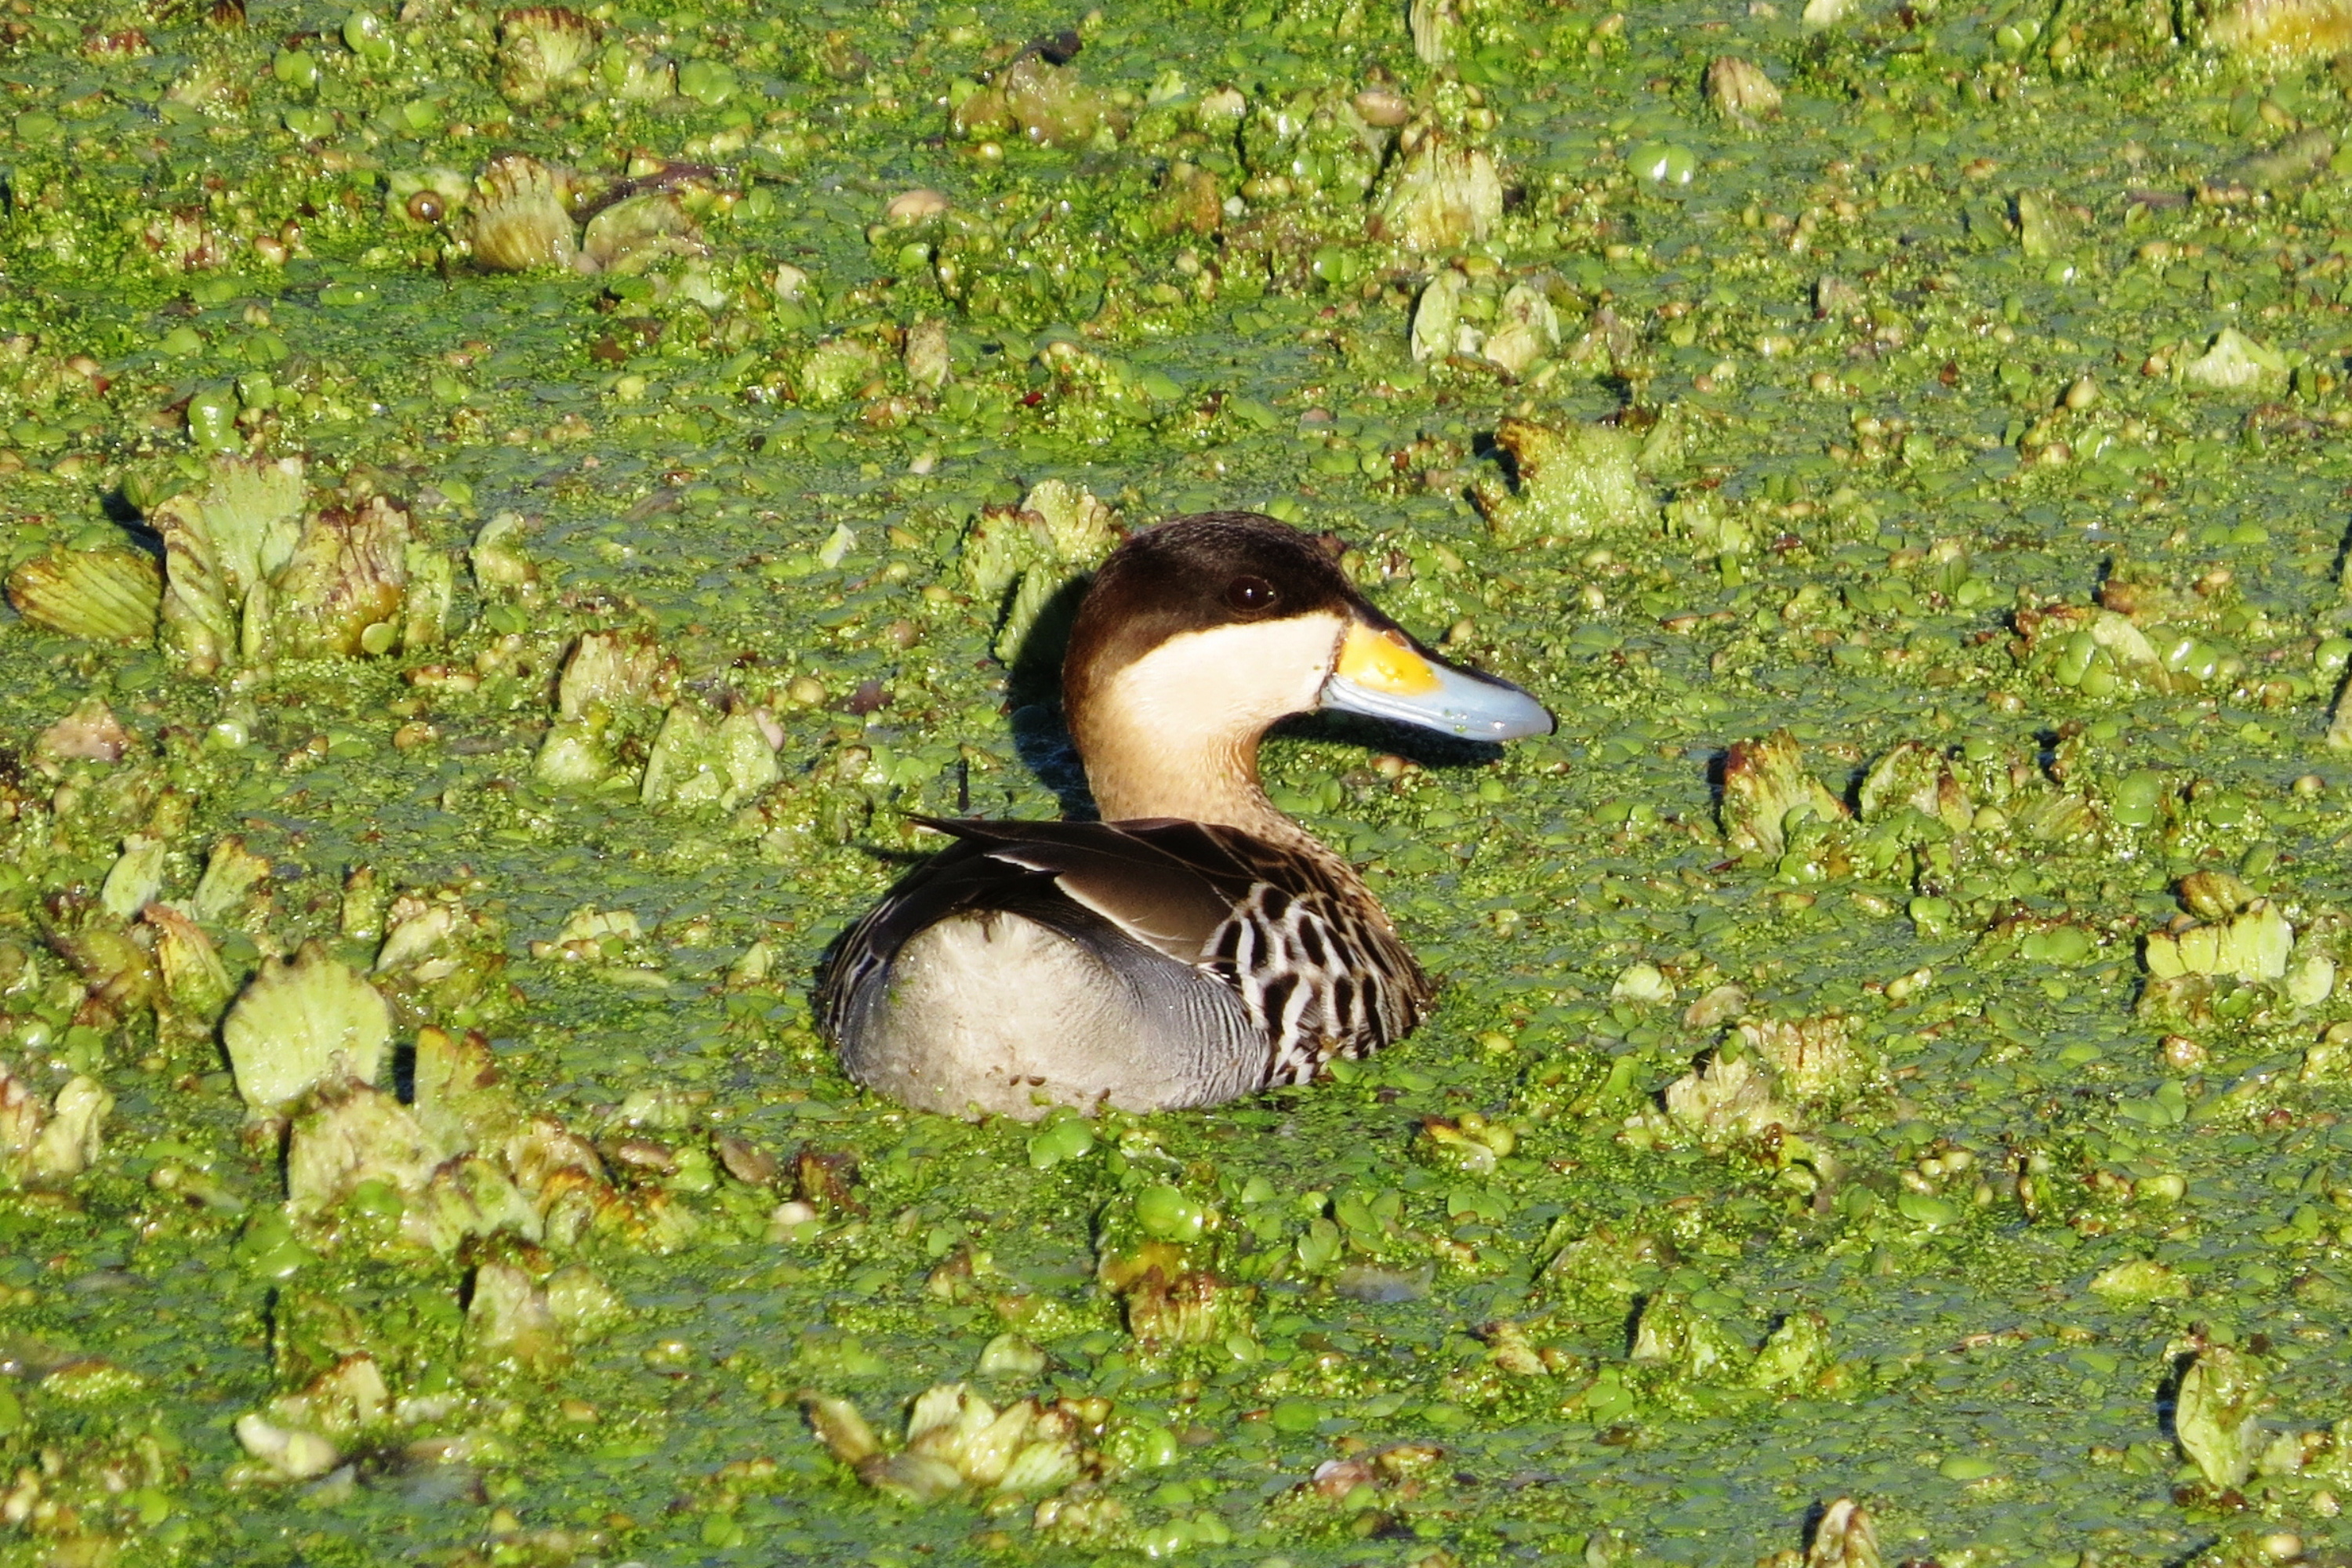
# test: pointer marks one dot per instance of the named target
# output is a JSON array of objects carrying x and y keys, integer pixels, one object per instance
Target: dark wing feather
[
  {"x": 1166, "y": 885},
  {"x": 1138, "y": 876}
]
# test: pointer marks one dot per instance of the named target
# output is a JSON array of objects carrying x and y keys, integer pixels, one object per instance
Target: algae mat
[{"x": 507, "y": 512}]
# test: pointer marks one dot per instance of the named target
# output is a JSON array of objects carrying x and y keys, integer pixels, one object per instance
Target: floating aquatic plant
[
  {"x": 2234, "y": 362},
  {"x": 1468, "y": 1143},
  {"x": 220, "y": 546},
  {"x": 2285, "y": 29},
  {"x": 926, "y": 354},
  {"x": 1033, "y": 550},
  {"x": 44, "y": 1141},
  {"x": 1158, "y": 1253},
  {"x": 341, "y": 590},
  {"x": 835, "y": 369},
  {"x": 426, "y": 196},
  {"x": 2339, "y": 721},
  {"x": 632, "y": 73},
  {"x": 601, "y": 937},
  {"x": 459, "y": 1099},
  {"x": 502, "y": 569},
  {"x": 909, "y": 208},
  {"x": 573, "y": 754},
  {"x": 418, "y": 931},
  {"x": 90, "y": 733},
  {"x": 2090, "y": 649},
  {"x": 608, "y": 677},
  {"x": 1191, "y": 201},
  {"x": 580, "y": 1302},
  {"x": 353, "y": 1142},
  {"x": 1007, "y": 1356},
  {"x": 440, "y": 958},
  {"x": 1046, "y": 103},
  {"x": 1640, "y": 984},
  {"x": 1845, "y": 1536},
  {"x": 135, "y": 877},
  {"x": 955, "y": 1438},
  {"x": 2215, "y": 1414},
  {"x": 233, "y": 877},
  {"x": 2045, "y": 226},
  {"x": 302, "y": 1023},
  {"x": 286, "y": 1453},
  {"x": 2282, "y": 170},
  {"x": 543, "y": 49},
  {"x": 343, "y": 1401},
  {"x": 1728, "y": 1098},
  {"x": 1766, "y": 788},
  {"x": 246, "y": 577},
  {"x": 1671, "y": 1332},
  {"x": 1439, "y": 194},
  {"x": 21, "y": 1116},
  {"x": 1815, "y": 1059},
  {"x": 1919, "y": 777},
  {"x": 2310, "y": 977},
  {"x": 614, "y": 671},
  {"x": 248, "y": 510},
  {"x": 1433, "y": 24},
  {"x": 1437, "y": 316},
  {"x": 1602, "y": 1267},
  {"x": 464, "y": 1161},
  {"x": 520, "y": 218},
  {"x": 116, "y": 969},
  {"x": 1739, "y": 90},
  {"x": 1574, "y": 481},
  {"x": 2252, "y": 944},
  {"x": 2151, "y": 598},
  {"x": 1794, "y": 1355},
  {"x": 2216, "y": 894},
  {"x": 1079, "y": 527},
  {"x": 431, "y": 590},
  {"x": 109, "y": 594},
  {"x": 196, "y": 983},
  {"x": 509, "y": 1321},
  {"x": 697, "y": 762},
  {"x": 352, "y": 1133},
  {"x": 2136, "y": 1280},
  {"x": 1527, "y": 328},
  {"x": 640, "y": 232},
  {"x": 565, "y": 1178}
]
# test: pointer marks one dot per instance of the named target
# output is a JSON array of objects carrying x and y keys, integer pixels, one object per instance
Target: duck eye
[{"x": 1249, "y": 594}]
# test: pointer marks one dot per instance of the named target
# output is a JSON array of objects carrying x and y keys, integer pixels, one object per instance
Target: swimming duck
[{"x": 1195, "y": 944}]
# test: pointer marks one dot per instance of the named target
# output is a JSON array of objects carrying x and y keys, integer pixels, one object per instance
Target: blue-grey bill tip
[{"x": 1382, "y": 676}]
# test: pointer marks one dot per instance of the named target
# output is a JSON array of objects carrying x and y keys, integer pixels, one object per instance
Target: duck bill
[{"x": 1383, "y": 674}]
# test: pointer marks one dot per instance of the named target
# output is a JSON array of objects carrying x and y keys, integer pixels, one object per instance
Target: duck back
[{"x": 1141, "y": 964}]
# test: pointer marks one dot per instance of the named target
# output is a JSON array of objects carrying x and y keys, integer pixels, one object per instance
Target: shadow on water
[
  {"x": 1041, "y": 740},
  {"x": 1040, "y": 737},
  {"x": 119, "y": 508}
]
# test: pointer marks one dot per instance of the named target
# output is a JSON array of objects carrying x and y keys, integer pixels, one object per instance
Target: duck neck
[{"x": 1138, "y": 770}]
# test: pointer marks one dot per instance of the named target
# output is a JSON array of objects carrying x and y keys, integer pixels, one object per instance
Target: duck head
[{"x": 1199, "y": 634}]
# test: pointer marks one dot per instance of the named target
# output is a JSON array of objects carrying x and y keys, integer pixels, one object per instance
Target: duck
[{"x": 1194, "y": 946}]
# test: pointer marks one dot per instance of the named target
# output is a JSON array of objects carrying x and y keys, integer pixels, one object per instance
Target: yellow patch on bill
[{"x": 1385, "y": 661}]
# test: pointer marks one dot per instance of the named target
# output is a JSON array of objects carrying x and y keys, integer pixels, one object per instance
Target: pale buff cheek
[
  {"x": 1176, "y": 732},
  {"x": 1221, "y": 685}
]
